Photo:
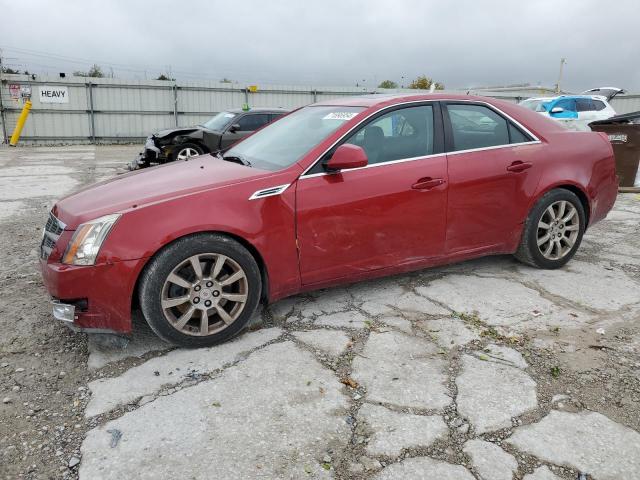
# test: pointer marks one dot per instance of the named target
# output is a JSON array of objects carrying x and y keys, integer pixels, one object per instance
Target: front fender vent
[{"x": 269, "y": 192}]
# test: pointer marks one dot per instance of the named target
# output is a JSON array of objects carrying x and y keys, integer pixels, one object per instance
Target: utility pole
[
  {"x": 562, "y": 62},
  {"x": 3, "y": 119}
]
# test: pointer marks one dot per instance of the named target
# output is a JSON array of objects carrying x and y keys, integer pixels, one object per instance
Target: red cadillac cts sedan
[{"x": 334, "y": 192}]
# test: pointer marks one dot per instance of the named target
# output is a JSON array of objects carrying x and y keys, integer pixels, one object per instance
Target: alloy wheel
[
  {"x": 187, "y": 153},
  {"x": 558, "y": 230},
  {"x": 204, "y": 294}
]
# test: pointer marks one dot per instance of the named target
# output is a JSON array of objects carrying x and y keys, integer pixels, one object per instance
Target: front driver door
[
  {"x": 247, "y": 124},
  {"x": 390, "y": 213}
]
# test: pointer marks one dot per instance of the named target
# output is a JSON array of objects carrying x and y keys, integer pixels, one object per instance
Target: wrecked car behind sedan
[{"x": 216, "y": 134}]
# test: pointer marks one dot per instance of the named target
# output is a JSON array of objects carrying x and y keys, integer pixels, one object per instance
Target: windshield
[
  {"x": 220, "y": 121},
  {"x": 286, "y": 141},
  {"x": 537, "y": 105}
]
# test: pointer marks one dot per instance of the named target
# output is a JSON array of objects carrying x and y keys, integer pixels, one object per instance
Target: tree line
[{"x": 421, "y": 83}]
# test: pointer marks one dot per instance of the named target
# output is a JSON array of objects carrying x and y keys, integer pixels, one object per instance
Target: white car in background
[{"x": 576, "y": 112}]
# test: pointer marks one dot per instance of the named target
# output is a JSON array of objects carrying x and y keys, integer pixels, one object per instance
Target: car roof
[
  {"x": 257, "y": 110},
  {"x": 529, "y": 118}
]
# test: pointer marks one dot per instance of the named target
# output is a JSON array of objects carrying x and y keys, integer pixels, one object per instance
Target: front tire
[
  {"x": 553, "y": 230},
  {"x": 186, "y": 151},
  {"x": 201, "y": 290}
]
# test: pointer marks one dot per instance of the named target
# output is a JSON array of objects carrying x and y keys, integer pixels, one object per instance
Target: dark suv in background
[{"x": 216, "y": 134}]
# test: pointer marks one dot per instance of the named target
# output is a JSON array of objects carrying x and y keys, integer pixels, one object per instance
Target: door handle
[
  {"x": 519, "y": 166},
  {"x": 427, "y": 183}
]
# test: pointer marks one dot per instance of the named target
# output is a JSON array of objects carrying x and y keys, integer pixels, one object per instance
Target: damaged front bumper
[
  {"x": 151, "y": 154},
  {"x": 95, "y": 298}
]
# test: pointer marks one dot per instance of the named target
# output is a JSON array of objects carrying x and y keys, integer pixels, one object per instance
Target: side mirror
[
  {"x": 234, "y": 128},
  {"x": 347, "y": 156},
  {"x": 557, "y": 110}
]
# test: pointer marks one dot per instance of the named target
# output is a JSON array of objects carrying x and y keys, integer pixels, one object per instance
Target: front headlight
[{"x": 87, "y": 240}]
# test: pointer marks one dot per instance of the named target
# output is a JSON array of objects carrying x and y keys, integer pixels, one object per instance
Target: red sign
[{"x": 14, "y": 90}]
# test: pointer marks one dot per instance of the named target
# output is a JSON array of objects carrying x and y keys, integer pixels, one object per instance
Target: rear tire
[
  {"x": 553, "y": 230},
  {"x": 201, "y": 290}
]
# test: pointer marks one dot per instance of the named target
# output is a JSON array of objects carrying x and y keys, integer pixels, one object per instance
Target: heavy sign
[{"x": 53, "y": 94}]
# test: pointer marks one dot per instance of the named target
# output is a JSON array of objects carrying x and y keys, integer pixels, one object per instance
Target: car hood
[
  {"x": 172, "y": 132},
  {"x": 142, "y": 187}
]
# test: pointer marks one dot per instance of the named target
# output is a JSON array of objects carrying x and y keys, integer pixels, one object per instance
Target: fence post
[
  {"x": 315, "y": 96},
  {"x": 3, "y": 118},
  {"x": 91, "y": 116},
  {"x": 175, "y": 104}
]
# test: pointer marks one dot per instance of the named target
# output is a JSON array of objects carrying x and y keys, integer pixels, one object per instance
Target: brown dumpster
[{"x": 624, "y": 134}]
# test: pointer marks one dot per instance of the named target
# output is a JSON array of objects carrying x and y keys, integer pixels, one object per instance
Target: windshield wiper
[{"x": 236, "y": 159}]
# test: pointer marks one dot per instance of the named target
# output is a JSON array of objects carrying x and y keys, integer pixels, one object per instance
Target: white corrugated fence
[{"x": 106, "y": 110}]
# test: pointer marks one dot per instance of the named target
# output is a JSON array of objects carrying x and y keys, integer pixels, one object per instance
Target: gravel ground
[
  {"x": 43, "y": 365},
  {"x": 487, "y": 369}
]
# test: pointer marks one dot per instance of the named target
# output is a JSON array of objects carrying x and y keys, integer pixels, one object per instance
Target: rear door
[
  {"x": 586, "y": 112},
  {"x": 493, "y": 171},
  {"x": 389, "y": 213}
]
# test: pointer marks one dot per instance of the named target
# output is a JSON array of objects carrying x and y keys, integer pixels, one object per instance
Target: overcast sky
[{"x": 462, "y": 43}]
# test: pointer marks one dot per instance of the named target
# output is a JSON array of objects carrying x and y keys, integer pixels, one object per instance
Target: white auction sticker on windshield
[{"x": 340, "y": 116}]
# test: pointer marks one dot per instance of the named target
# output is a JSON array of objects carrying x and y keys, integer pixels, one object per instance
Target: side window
[
  {"x": 403, "y": 133},
  {"x": 477, "y": 126},
  {"x": 567, "y": 104},
  {"x": 516, "y": 135},
  {"x": 599, "y": 105},
  {"x": 275, "y": 116},
  {"x": 584, "y": 105},
  {"x": 252, "y": 122}
]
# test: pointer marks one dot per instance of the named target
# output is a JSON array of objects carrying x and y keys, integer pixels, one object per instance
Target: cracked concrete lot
[{"x": 484, "y": 370}]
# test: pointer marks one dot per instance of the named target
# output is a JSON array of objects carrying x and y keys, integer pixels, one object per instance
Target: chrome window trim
[
  {"x": 268, "y": 192},
  {"x": 494, "y": 147},
  {"x": 535, "y": 140}
]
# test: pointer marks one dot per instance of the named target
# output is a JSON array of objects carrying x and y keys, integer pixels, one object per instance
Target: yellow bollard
[{"x": 21, "y": 121}]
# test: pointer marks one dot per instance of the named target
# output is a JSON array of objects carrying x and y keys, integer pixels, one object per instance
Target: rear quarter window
[
  {"x": 516, "y": 135},
  {"x": 599, "y": 105}
]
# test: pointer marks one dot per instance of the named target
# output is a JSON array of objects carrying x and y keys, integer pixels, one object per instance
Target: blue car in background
[{"x": 576, "y": 111}]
